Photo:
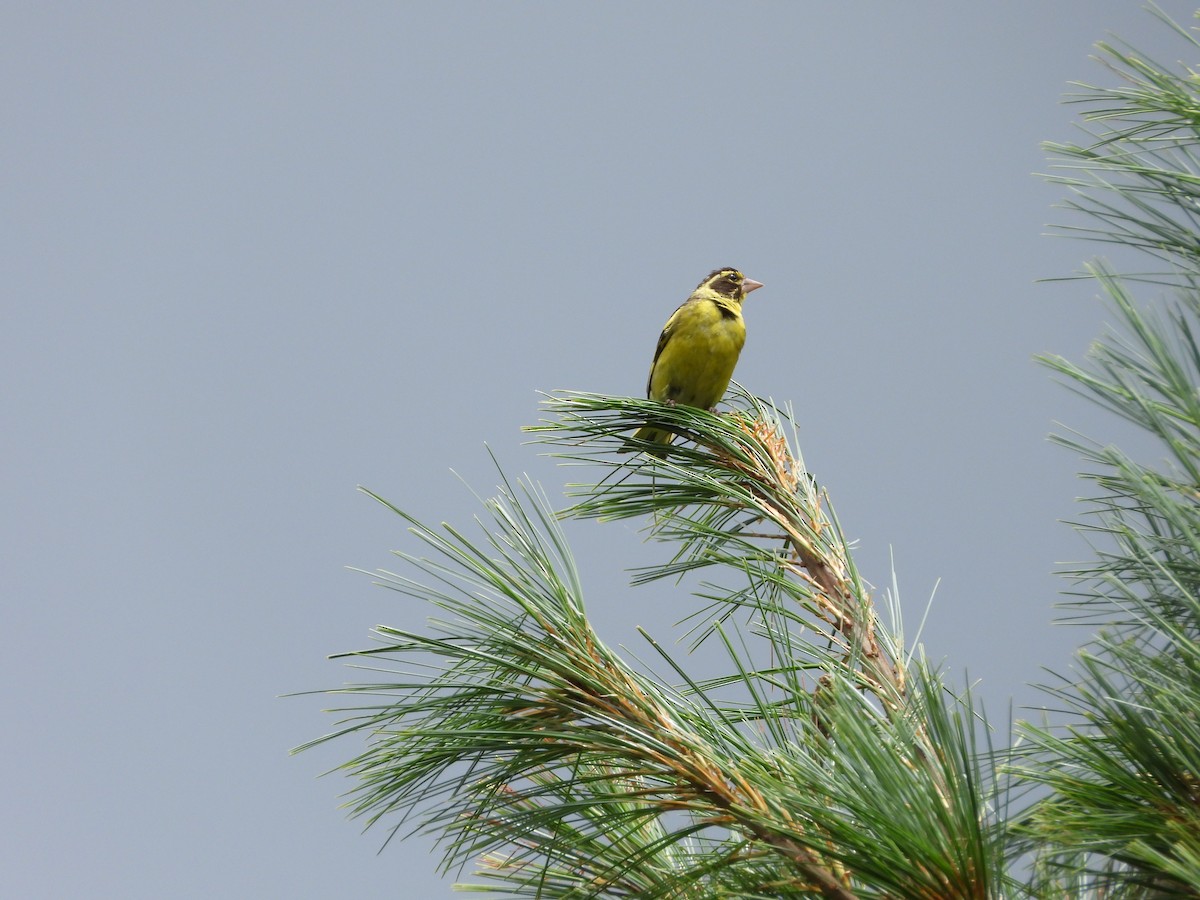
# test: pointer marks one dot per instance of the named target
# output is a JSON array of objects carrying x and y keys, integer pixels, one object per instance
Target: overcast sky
[{"x": 257, "y": 254}]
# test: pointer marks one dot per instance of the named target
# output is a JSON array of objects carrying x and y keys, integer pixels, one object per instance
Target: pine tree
[{"x": 829, "y": 760}]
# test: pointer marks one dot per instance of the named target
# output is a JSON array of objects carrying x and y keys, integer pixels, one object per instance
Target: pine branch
[
  {"x": 735, "y": 494},
  {"x": 1123, "y": 815},
  {"x": 515, "y": 734}
]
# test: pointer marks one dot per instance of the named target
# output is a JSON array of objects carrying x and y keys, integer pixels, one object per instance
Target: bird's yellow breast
[{"x": 703, "y": 341}]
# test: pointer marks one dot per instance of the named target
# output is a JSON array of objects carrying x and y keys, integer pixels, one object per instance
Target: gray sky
[{"x": 257, "y": 254}]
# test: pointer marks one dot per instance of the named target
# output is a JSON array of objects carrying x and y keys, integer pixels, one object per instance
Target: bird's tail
[{"x": 651, "y": 435}]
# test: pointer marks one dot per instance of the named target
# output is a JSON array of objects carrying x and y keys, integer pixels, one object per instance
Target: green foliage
[
  {"x": 1136, "y": 179},
  {"x": 821, "y": 763},
  {"x": 1122, "y": 816}
]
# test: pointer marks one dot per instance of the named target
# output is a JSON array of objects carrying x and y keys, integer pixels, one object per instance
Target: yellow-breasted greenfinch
[{"x": 699, "y": 347}]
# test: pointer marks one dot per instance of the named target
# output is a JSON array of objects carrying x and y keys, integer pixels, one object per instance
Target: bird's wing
[{"x": 663, "y": 340}]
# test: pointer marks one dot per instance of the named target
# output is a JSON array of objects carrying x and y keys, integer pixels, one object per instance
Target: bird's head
[{"x": 729, "y": 282}]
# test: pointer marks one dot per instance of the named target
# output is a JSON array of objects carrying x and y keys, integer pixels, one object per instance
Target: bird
[{"x": 699, "y": 347}]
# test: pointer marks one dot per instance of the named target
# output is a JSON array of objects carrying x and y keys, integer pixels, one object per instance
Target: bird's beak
[{"x": 750, "y": 285}]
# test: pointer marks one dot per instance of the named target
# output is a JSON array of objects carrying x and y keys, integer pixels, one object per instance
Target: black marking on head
[
  {"x": 727, "y": 312},
  {"x": 727, "y": 282}
]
